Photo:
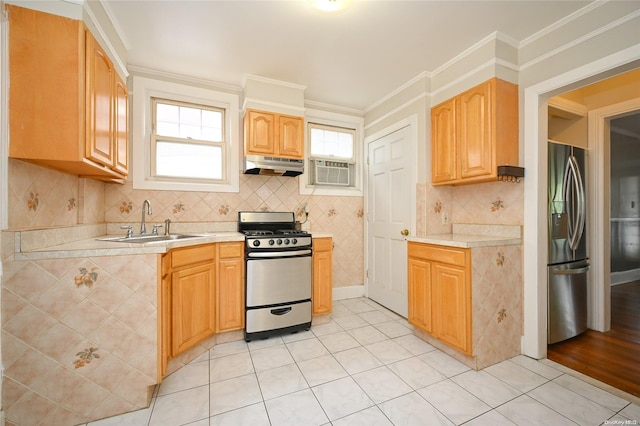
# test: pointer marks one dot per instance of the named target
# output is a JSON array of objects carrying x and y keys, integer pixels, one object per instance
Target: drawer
[
  {"x": 443, "y": 254},
  {"x": 191, "y": 255},
  {"x": 230, "y": 250},
  {"x": 322, "y": 244}
]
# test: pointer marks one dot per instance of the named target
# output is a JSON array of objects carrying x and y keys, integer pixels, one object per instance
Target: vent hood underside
[{"x": 272, "y": 166}]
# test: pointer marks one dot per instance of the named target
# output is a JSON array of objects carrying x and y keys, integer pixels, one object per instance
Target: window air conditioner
[{"x": 328, "y": 172}]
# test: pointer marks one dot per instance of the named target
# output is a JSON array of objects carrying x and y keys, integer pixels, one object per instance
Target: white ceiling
[{"x": 351, "y": 59}]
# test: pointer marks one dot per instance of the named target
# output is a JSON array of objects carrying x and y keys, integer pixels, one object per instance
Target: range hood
[{"x": 272, "y": 166}]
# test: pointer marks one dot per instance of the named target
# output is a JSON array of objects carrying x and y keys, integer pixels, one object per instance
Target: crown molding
[
  {"x": 422, "y": 75},
  {"x": 562, "y": 22},
  {"x": 119, "y": 63},
  {"x": 271, "y": 81},
  {"x": 115, "y": 24},
  {"x": 143, "y": 71}
]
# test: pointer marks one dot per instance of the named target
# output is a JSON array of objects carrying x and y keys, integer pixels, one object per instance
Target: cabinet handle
[{"x": 404, "y": 232}]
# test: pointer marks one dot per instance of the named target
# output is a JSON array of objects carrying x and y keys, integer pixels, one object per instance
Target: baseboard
[
  {"x": 623, "y": 277},
  {"x": 348, "y": 292}
]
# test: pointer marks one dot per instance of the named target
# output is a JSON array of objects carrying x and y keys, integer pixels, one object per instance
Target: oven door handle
[{"x": 268, "y": 254}]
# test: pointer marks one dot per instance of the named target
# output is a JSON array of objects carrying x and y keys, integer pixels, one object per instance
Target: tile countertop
[
  {"x": 82, "y": 241},
  {"x": 474, "y": 235}
]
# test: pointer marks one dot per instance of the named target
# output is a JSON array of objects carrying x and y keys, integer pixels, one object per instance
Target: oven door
[{"x": 276, "y": 280}]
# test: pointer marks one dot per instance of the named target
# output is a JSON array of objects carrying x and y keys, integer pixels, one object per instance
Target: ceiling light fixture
[{"x": 330, "y": 5}]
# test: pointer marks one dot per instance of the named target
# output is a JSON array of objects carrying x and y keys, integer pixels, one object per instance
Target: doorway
[{"x": 610, "y": 355}]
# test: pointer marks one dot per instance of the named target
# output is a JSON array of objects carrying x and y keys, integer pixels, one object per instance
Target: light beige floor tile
[
  {"x": 253, "y": 415},
  {"x": 381, "y": 384},
  {"x": 370, "y": 417},
  {"x": 412, "y": 409},
  {"x": 416, "y": 373},
  {"x": 453, "y": 401},
  {"x": 281, "y": 381},
  {"x": 300, "y": 408},
  {"x": 341, "y": 398},
  {"x": 357, "y": 360},
  {"x": 232, "y": 394},
  {"x": 321, "y": 370},
  {"x": 303, "y": 350},
  {"x": 230, "y": 366},
  {"x": 337, "y": 342},
  {"x": 271, "y": 357},
  {"x": 179, "y": 408}
]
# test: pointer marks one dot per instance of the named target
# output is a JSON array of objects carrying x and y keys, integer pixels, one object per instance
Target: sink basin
[{"x": 149, "y": 238}]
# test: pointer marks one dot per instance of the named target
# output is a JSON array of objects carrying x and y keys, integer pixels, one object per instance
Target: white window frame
[
  {"x": 144, "y": 89},
  {"x": 345, "y": 121}
]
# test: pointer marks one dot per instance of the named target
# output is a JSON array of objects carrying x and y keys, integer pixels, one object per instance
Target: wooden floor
[{"x": 612, "y": 357}]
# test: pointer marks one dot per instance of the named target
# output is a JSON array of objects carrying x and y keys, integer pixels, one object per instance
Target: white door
[{"x": 389, "y": 216}]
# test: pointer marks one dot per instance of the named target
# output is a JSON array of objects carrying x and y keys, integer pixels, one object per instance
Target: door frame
[
  {"x": 534, "y": 134},
  {"x": 599, "y": 207},
  {"x": 412, "y": 123}
]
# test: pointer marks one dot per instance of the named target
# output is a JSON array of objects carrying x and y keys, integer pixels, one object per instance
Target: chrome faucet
[{"x": 143, "y": 227}]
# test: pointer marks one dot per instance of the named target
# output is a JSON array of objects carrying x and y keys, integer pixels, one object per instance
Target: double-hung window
[
  {"x": 335, "y": 149},
  {"x": 185, "y": 137},
  {"x": 187, "y": 141}
]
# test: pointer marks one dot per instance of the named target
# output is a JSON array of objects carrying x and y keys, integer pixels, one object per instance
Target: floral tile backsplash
[{"x": 41, "y": 198}]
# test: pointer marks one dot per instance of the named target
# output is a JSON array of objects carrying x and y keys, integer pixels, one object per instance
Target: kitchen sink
[{"x": 141, "y": 239}]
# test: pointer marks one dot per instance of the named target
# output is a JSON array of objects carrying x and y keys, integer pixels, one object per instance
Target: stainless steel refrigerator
[{"x": 568, "y": 263}]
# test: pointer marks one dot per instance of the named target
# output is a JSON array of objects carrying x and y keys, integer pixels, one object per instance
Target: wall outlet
[{"x": 445, "y": 218}]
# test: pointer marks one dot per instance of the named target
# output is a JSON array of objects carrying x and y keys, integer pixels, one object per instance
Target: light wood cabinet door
[
  {"x": 452, "y": 306},
  {"x": 440, "y": 293},
  {"x": 322, "y": 281},
  {"x": 273, "y": 134},
  {"x": 230, "y": 286},
  {"x": 291, "y": 137},
  {"x": 443, "y": 140},
  {"x": 260, "y": 133},
  {"x": 474, "y": 131},
  {"x": 100, "y": 79},
  {"x": 192, "y": 306},
  {"x": 121, "y": 126},
  {"x": 420, "y": 300}
]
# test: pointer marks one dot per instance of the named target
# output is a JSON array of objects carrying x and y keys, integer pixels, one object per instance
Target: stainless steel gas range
[{"x": 278, "y": 274}]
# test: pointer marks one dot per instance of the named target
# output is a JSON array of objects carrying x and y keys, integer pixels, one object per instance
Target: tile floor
[{"x": 365, "y": 367}]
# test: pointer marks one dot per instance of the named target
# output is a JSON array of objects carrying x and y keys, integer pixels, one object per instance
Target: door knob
[{"x": 404, "y": 232}]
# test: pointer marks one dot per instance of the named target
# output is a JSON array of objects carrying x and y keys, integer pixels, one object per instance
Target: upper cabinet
[
  {"x": 475, "y": 132},
  {"x": 273, "y": 134},
  {"x": 68, "y": 108}
]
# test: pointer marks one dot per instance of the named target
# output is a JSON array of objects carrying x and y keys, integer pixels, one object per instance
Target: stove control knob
[
  {"x": 286, "y": 241},
  {"x": 294, "y": 241},
  {"x": 279, "y": 241},
  {"x": 271, "y": 242},
  {"x": 256, "y": 243}
]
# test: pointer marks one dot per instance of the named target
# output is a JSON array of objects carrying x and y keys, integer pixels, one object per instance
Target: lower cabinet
[
  {"x": 230, "y": 286},
  {"x": 440, "y": 293},
  {"x": 322, "y": 294},
  {"x": 201, "y": 293},
  {"x": 193, "y": 299}
]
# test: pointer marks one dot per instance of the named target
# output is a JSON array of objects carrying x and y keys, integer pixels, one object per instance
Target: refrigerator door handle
[
  {"x": 570, "y": 271},
  {"x": 576, "y": 211}
]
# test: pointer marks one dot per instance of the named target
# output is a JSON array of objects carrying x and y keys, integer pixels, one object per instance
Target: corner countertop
[{"x": 474, "y": 235}]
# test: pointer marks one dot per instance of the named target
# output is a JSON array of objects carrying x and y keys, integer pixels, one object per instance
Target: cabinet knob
[{"x": 404, "y": 232}]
